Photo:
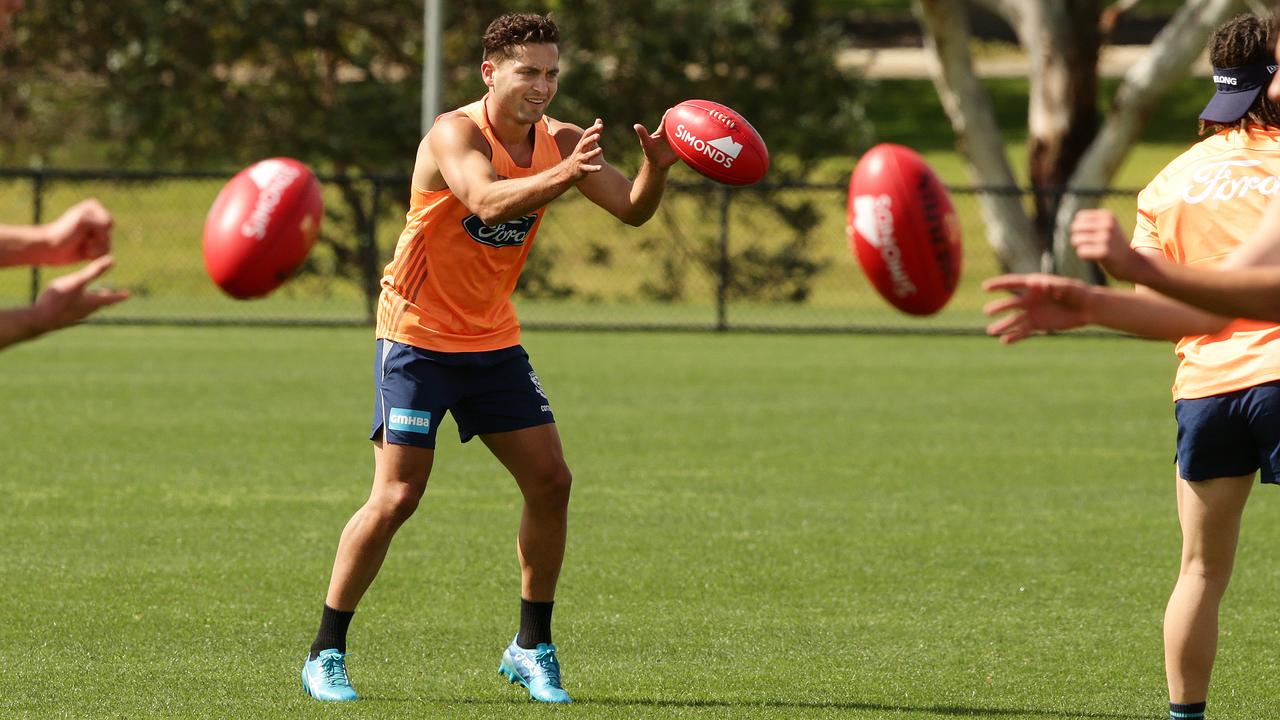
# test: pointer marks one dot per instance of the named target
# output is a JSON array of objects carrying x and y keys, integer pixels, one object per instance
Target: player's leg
[
  {"x": 400, "y": 478},
  {"x": 506, "y": 406},
  {"x": 535, "y": 458},
  {"x": 1223, "y": 440},
  {"x": 1209, "y": 512},
  {"x": 407, "y": 406}
]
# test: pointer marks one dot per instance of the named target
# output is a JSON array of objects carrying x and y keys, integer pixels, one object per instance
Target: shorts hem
[
  {"x": 1204, "y": 477},
  {"x": 521, "y": 424},
  {"x": 427, "y": 443}
]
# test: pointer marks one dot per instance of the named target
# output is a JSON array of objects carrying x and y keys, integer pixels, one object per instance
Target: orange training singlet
[
  {"x": 1196, "y": 211},
  {"x": 448, "y": 287}
]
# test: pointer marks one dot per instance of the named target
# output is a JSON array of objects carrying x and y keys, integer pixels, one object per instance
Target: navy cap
[{"x": 1237, "y": 87}]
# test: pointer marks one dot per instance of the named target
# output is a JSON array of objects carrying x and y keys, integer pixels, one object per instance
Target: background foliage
[
  {"x": 208, "y": 83},
  {"x": 203, "y": 83}
]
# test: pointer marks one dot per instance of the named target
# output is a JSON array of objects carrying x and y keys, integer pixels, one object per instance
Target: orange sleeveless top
[{"x": 448, "y": 287}]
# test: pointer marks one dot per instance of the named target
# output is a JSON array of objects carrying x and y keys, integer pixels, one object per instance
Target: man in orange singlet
[
  {"x": 1196, "y": 229},
  {"x": 448, "y": 338}
]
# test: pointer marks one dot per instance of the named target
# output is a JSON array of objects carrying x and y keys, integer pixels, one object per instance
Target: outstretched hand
[
  {"x": 657, "y": 150},
  {"x": 1042, "y": 303},
  {"x": 68, "y": 300}
]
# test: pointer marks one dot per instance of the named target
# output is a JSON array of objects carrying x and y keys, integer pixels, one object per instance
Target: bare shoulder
[
  {"x": 454, "y": 130},
  {"x": 452, "y": 136},
  {"x": 565, "y": 134}
]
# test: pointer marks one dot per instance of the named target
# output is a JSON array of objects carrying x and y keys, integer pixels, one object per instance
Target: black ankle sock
[
  {"x": 535, "y": 623},
  {"x": 333, "y": 631},
  {"x": 1186, "y": 711}
]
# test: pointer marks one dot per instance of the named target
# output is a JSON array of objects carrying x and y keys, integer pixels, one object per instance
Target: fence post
[
  {"x": 722, "y": 290},
  {"x": 369, "y": 254},
  {"x": 37, "y": 212}
]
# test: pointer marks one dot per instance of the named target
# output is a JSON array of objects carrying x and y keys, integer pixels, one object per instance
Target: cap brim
[{"x": 1228, "y": 107}]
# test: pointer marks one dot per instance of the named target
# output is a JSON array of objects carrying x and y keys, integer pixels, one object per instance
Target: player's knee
[
  {"x": 551, "y": 487},
  {"x": 1212, "y": 574},
  {"x": 397, "y": 504}
]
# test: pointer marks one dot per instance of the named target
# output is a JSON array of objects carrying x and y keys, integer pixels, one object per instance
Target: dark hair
[
  {"x": 1245, "y": 40},
  {"x": 513, "y": 29}
]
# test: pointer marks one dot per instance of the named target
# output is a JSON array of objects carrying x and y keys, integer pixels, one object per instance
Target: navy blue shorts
[
  {"x": 1230, "y": 435},
  {"x": 487, "y": 392}
]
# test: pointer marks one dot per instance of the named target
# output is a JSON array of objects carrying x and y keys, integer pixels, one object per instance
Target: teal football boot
[
  {"x": 325, "y": 678},
  {"x": 537, "y": 669}
]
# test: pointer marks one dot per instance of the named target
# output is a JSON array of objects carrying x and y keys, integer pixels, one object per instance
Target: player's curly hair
[
  {"x": 1245, "y": 40},
  {"x": 508, "y": 31}
]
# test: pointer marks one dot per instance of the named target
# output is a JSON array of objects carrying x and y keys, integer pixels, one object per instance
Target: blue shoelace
[
  {"x": 546, "y": 660},
  {"x": 335, "y": 670}
]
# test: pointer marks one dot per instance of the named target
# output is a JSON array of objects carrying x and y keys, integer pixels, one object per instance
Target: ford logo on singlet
[{"x": 508, "y": 234}]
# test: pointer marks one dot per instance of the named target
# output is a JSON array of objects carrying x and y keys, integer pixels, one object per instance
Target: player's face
[
  {"x": 524, "y": 84},
  {"x": 7, "y": 9}
]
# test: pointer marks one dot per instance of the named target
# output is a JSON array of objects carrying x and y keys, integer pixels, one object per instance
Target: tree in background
[
  {"x": 195, "y": 83},
  {"x": 773, "y": 61},
  {"x": 336, "y": 83},
  {"x": 1071, "y": 145},
  {"x": 217, "y": 83}
]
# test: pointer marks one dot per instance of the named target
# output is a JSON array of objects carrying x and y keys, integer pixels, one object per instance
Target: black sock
[
  {"x": 333, "y": 631},
  {"x": 535, "y": 623},
  {"x": 1186, "y": 711}
]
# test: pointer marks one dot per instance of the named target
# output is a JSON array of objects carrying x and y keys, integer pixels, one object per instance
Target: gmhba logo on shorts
[
  {"x": 508, "y": 234},
  {"x": 405, "y": 420}
]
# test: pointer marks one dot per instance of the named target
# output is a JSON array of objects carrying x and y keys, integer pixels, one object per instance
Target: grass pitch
[{"x": 763, "y": 526}]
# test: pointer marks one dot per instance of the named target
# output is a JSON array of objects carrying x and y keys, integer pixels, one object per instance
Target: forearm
[
  {"x": 646, "y": 193},
  {"x": 1149, "y": 315},
  {"x": 17, "y": 325},
  {"x": 23, "y": 244},
  {"x": 505, "y": 200},
  {"x": 1246, "y": 292}
]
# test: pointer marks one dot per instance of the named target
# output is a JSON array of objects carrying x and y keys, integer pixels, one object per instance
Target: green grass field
[{"x": 763, "y": 526}]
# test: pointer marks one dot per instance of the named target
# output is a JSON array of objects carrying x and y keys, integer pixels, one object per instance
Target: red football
[
  {"x": 262, "y": 226},
  {"x": 903, "y": 229},
  {"x": 717, "y": 142}
]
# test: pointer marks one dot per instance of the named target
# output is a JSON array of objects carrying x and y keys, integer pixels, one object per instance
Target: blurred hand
[
  {"x": 82, "y": 233},
  {"x": 68, "y": 300},
  {"x": 1097, "y": 236},
  {"x": 1043, "y": 303},
  {"x": 657, "y": 150}
]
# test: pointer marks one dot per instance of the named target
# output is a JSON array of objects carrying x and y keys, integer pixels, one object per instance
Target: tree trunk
[
  {"x": 1067, "y": 148},
  {"x": 1062, "y": 45},
  {"x": 1009, "y": 229}
]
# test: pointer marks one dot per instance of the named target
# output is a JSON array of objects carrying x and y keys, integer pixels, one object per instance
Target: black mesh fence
[{"x": 765, "y": 257}]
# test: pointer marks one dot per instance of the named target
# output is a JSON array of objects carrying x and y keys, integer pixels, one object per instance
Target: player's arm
[
  {"x": 1046, "y": 303},
  {"x": 66, "y": 301},
  {"x": 460, "y": 153},
  {"x": 1152, "y": 314},
  {"x": 1248, "y": 292},
  {"x": 1246, "y": 284},
  {"x": 82, "y": 233},
  {"x": 632, "y": 202},
  {"x": 22, "y": 244}
]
